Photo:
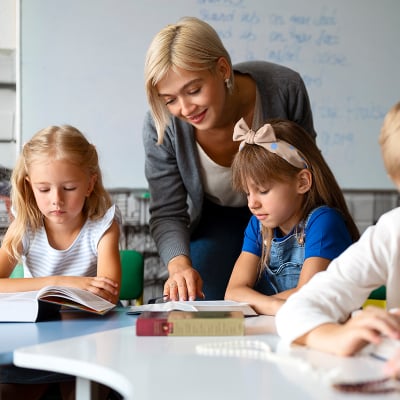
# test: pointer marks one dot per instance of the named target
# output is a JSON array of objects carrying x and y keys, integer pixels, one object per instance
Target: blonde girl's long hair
[
  {"x": 55, "y": 143},
  {"x": 262, "y": 167},
  {"x": 190, "y": 44}
]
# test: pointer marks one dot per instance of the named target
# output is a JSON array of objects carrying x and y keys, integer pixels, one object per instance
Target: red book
[
  {"x": 152, "y": 323},
  {"x": 190, "y": 323}
]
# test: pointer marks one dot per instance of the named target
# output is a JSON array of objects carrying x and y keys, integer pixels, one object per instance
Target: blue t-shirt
[{"x": 326, "y": 235}]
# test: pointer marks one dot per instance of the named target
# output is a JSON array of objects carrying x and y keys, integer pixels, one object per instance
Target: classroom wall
[
  {"x": 82, "y": 63},
  {"x": 8, "y": 34}
]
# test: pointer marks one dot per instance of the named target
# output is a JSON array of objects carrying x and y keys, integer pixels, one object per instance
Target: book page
[
  {"x": 31, "y": 305},
  {"x": 31, "y": 295},
  {"x": 76, "y": 298},
  {"x": 201, "y": 305}
]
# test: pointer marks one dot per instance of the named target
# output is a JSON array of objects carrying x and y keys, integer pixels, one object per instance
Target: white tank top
[{"x": 80, "y": 259}]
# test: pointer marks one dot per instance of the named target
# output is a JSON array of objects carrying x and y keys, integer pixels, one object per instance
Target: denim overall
[{"x": 285, "y": 262}]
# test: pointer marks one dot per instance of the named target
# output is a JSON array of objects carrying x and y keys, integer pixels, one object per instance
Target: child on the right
[{"x": 319, "y": 315}]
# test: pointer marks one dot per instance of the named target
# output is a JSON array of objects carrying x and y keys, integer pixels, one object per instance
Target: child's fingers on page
[
  {"x": 391, "y": 318},
  {"x": 101, "y": 292},
  {"x": 379, "y": 321},
  {"x": 104, "y": 285},
  {"x": 106, "y": 280}
]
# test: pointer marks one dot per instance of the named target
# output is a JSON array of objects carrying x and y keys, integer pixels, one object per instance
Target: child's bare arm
[
  {"x": 108, "y": 265},
  {"x": 241, "y": 283}
]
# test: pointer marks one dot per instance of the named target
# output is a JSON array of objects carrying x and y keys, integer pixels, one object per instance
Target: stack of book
[{"x": 190, "y": 323}]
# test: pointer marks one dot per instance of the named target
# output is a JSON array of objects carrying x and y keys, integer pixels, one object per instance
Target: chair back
[{"x": 132, "y": 264}]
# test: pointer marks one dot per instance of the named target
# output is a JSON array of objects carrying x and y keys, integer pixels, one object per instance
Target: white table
[
  {"x": 71, "y": 323},
  {"x": 163, "y": 368}
]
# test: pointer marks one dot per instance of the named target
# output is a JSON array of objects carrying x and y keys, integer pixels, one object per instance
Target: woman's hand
[{"x": 184, "y": 282}]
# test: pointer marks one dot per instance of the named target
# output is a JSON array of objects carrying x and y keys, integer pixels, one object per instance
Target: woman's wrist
[{"x": 178, "y": 264}]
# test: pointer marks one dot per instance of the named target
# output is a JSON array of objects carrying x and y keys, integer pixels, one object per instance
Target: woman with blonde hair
[{"x": 196, "y": 96}]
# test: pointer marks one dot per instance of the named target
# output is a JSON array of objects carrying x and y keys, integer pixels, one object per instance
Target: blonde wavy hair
[
  {"x": 389, "y": 140},
  {"x": 56, "y": 143},
  {"x": 190, "y": 44}
]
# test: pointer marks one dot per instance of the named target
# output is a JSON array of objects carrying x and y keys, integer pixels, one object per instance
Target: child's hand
[
  {"x": 103, "y": 287},
  {"x": 366, "y": 326},
  {"x": 100, "y": 285}
]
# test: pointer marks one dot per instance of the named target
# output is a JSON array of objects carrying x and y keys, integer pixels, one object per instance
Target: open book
[
  {"x": 201, "y": 305},
  {"x": 44, "y": 303}
]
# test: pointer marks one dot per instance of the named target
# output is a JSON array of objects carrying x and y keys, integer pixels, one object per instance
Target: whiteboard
[{"x": 81, "y": 63}]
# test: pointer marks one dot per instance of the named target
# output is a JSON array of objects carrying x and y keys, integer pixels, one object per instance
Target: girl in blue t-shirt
[{"x": 300, "y": 218}]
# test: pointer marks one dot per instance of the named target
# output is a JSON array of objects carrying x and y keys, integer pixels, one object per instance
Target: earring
[{"x": 228, "y": 84}]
